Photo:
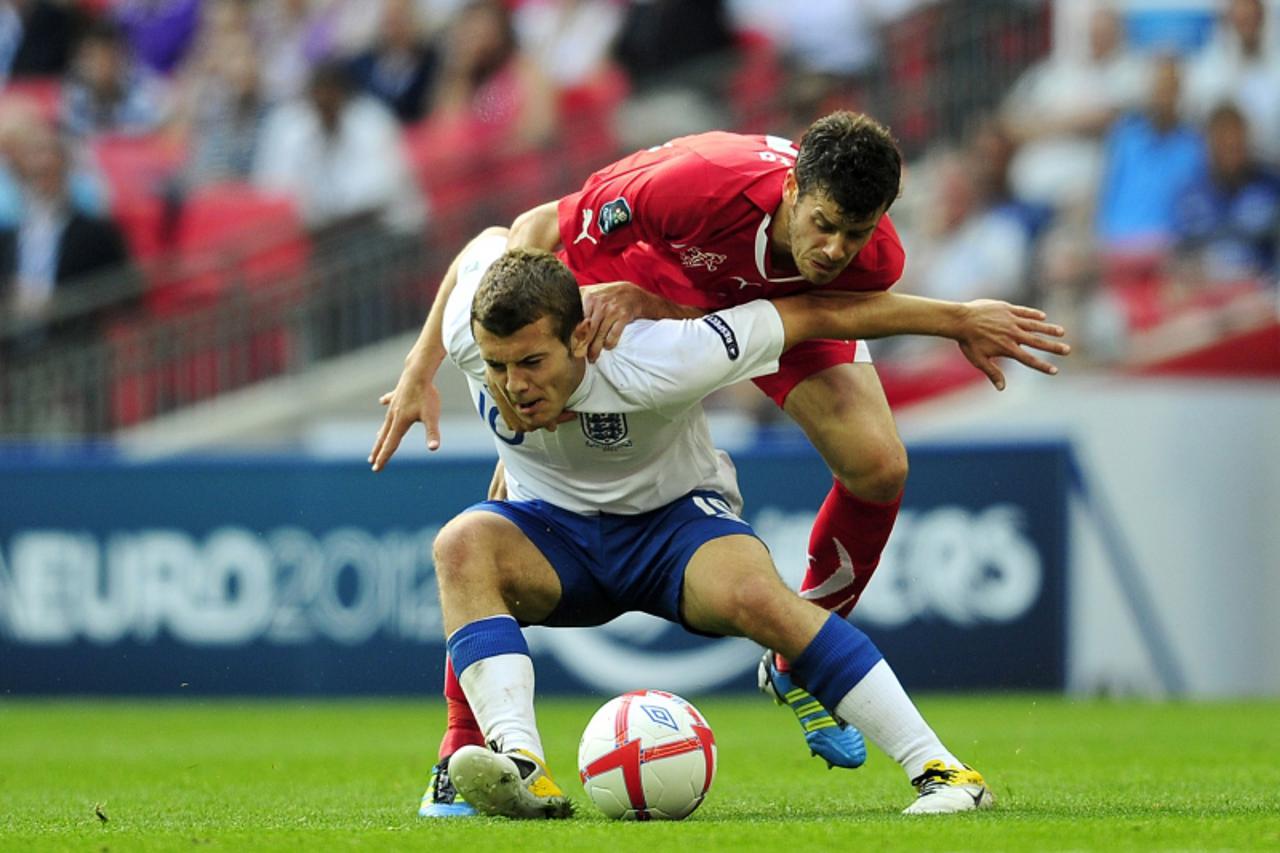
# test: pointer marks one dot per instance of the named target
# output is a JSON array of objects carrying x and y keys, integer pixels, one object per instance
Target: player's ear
[
  {"x": 790, "y": 189},
  {"x": 580, "y": 339}
]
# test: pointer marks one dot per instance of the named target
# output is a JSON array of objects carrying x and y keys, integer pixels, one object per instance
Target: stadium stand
[{"x": 236, "y": 288}]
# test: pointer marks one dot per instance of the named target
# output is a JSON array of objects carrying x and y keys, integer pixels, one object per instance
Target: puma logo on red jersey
[{"x": 586, "y": 224}]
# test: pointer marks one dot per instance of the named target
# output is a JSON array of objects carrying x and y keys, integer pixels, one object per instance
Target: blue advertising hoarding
[{"x": 293, "y": 577}]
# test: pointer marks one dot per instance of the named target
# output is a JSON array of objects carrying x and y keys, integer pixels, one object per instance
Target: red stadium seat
[
  {"x": 587, "y": 138},
  {"x": 755, "y": 88},
  {"x": 236, "y": 258},
  {"x": 44, "y": 93},
  {"x": 138, "y": 165},
  {"x": 231, "y": 235}
]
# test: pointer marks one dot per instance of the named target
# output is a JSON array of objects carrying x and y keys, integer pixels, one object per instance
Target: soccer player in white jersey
[
  {"x": 632, "y": 508},
  {"x": 717, "y": 219}
]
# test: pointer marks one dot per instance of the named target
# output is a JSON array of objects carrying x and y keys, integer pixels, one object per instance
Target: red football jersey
[{"x": 690, "y": 220}]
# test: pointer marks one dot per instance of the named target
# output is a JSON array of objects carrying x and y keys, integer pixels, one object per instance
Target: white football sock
[
  {"x": 500, "y": 691},
  {"x": 886, "y": 715}
]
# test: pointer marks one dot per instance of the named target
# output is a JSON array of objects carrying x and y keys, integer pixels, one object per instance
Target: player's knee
[
  {"x": 756, "y": 605},
  {"x": 880, "y": 476},
  {"x": 459, "y": 548}
]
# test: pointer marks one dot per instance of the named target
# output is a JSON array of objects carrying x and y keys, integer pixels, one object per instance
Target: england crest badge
[{"x": 605, "y": 430}]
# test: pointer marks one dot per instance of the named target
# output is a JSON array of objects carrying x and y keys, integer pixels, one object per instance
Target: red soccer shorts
[{"x": 804, "y": 360}]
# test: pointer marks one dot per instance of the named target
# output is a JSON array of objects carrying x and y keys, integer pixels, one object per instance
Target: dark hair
[
  {"x": 1228, "y": 112},
  {"x": 522, "y": 286},
  {"x": 852, "y": 158},
  {"x": 332, "y": 74},
  {"x": 103, "y": 31}
]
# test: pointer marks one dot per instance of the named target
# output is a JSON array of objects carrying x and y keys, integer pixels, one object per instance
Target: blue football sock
[
  {"x": 833, "y": 662},
  {"x": 485, "y": 638}
]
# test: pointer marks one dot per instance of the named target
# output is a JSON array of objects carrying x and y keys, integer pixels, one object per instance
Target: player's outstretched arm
[
  {"x": 985, "y": 329},
  {"x": 415, "y": 397}
]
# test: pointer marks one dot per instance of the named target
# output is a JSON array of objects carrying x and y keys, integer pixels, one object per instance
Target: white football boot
[
  {"x": 942, "y": 789},
  {"x": 510, "y": 784}
]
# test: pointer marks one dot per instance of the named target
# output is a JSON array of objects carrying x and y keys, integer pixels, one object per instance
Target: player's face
[
  {"x": 823, "y": 239},
  {"x": 535, "y": 369}
]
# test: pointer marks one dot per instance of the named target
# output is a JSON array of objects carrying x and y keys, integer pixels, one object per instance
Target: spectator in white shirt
[
  {"x": 1240, "y": 64},
  {"x": 338, "y": 154}
]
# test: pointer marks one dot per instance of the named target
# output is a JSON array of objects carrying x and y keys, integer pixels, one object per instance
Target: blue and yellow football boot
[
  {"x": 839, "y": 744},
  {"x": 441, "y": 798}
]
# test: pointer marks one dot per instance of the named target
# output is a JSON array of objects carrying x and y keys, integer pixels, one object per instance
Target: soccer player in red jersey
[{"x": 717, "y": 219}]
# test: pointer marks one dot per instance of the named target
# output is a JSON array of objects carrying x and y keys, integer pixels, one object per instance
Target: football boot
[
  {"x": 441, "y": 798},
  {"x": 510, "y": 784},
  {"x": 944, "y": 788},
  {"x": 839, "y": 744}
]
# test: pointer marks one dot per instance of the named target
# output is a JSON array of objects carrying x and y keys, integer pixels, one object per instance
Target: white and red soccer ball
[{"x": 647, "y": 755}]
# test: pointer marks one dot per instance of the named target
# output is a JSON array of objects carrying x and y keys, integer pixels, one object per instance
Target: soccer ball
[{"x": 647, "y": 755}]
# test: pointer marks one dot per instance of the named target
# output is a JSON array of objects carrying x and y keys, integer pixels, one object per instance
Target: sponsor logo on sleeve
[
  {"x": 613, "y": 215},
  {"x": 725, "y": 331}
]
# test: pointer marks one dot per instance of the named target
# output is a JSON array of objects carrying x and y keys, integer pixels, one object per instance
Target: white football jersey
[{"x": 641, "y": 438}]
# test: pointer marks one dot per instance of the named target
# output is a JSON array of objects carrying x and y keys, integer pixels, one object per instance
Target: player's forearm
[
  {"x": 846, "y": 316},
  {"x": 537, "y": 228},
  {"x": 660, "y": 308},
  {"x": 428, "y": 350}
]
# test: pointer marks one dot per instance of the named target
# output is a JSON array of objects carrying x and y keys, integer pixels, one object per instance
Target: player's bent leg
[
  {"x": 843, "y": 411},
  {"x": 485, "y": 565},
  {"x": 509, "y": 777},
  {"x": 732, "y": 587},
  {"x": 744, "y": 601},
  {"x": 488, "y": 573},
  {"x": 846, "y": 672}
]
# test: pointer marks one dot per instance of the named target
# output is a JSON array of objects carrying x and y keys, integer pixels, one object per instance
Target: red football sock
[
  {"x": 463, "y": 730},
  {"x": 844, "y": 549}
]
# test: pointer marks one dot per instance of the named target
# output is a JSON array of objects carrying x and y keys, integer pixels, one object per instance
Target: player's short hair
[
  {"x": 1226, "y": 112},
  {"x": 852, "y": 158},
  {"x": 522, "y": 286}
]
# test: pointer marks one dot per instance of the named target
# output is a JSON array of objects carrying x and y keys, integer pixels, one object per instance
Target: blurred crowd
[
  {"x": 1119, "y": 186},
  {"x": 1114, "y": 183},
  {"x": 127, "y": 126}
]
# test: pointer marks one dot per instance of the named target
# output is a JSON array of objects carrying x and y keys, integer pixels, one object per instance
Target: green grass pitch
[{"x": 274, "y": 775}]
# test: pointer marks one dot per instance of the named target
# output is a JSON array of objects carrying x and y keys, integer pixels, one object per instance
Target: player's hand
[
  {"x": 515, "y": 422},
  {"x": 993, "y": 329},
  {"x": 414, "y": 399},
  {"x": 609, "y": 308}
]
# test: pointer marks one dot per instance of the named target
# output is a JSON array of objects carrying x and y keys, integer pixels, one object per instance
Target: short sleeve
[
  {"x": 670, "y": 365},
  {"x": 657, "y": 196},
  {"x": 459, "y": 343}
]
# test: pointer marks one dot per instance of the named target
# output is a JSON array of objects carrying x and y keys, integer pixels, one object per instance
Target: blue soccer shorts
[{"x": 613, "y": 564}]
